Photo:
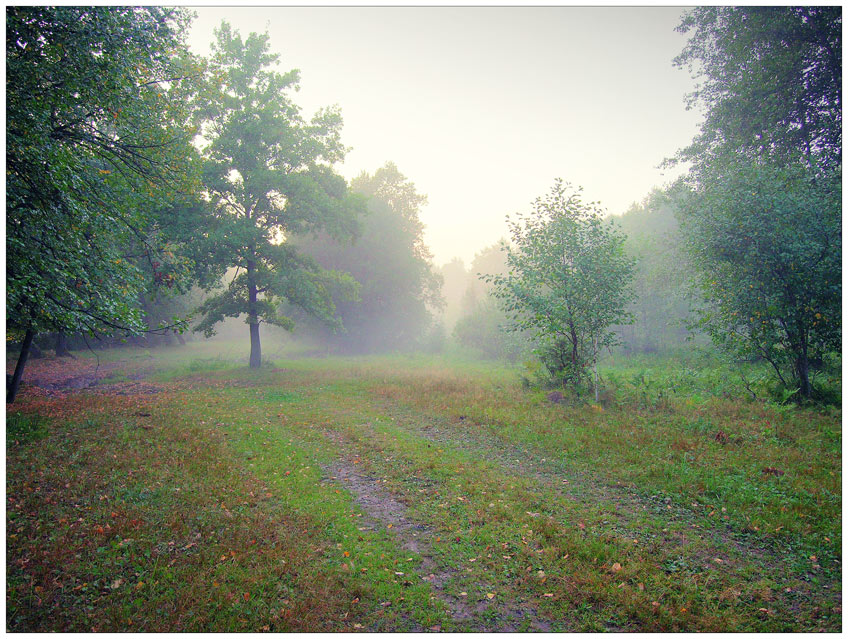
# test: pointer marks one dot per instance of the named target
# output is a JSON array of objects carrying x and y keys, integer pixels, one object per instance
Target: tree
[
  {"x": 95, "y": 133},
  {"x": 391, "y": 263},
  {"x": 772, "y": 285},
  {"x": 762, "y": 218},
  {"x": 268, "y": 175},
  {"x": 567, "y": 282}
]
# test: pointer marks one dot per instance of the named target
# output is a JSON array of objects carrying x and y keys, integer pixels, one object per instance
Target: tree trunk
[
  {"x": 12, "y": 390},
  {"x": 62, "y": 345},
  {"x": 180, "y": 338},
  {"x": 595, "y": 368},
  {"x": 253, "y": 318},
  {"x": 255, "y": 347}
]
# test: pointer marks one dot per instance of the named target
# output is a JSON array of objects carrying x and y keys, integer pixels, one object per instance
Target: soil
[{"x": 56, "y": 376}]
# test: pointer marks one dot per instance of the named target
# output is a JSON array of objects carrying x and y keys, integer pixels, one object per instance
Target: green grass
[{"x": 212, "y": 505}]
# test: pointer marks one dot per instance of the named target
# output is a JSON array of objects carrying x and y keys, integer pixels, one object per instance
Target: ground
[{"x": 177, "y": 490}]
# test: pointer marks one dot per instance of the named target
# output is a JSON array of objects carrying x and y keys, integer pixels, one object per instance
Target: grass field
[{"x": 185, "y": 492}]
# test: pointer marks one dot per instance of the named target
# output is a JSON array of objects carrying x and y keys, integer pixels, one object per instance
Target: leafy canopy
[
  {"x": 96, "y": 135},
  {"x": 770, "y": 83}
]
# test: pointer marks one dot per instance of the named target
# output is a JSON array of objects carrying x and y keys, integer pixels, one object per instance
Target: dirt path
[
  {"x": 710, "y": 548},
  {"x": 381, "y": 509}
]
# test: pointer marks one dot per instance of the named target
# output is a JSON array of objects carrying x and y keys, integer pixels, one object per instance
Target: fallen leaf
[
  {"x": 548, "y": 594},
  {"x": 117, "y": 584},
  {"x": 490, "y": 595},
  {"x": 616, "y": 567}
]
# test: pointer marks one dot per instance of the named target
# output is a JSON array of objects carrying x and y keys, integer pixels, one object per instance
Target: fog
[
  {"x": 454, "y": 118},
  {"x": 482, "y": 107}
]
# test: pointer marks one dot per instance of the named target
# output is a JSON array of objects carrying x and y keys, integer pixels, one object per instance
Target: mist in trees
[
  {"x": 399, "y": 291},
  {"x": 661, "y": 307}
]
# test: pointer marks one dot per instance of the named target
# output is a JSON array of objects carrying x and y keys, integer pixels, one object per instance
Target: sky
[{"x": 483, "y": 107}]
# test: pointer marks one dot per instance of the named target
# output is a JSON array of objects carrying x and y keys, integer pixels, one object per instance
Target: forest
[{"x": 243, "y": 396}]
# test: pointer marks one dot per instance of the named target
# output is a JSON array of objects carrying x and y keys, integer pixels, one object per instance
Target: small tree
[{"x": 567, "y": 282}]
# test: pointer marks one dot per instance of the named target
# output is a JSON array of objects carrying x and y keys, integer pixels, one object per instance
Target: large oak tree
[{"x": 269, "y": 174}]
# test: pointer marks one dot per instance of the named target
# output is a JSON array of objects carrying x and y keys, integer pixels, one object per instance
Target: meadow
[{"x": 184, "y": 491}]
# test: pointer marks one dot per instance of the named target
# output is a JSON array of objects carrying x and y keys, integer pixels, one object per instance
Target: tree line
[
  {"x": 138, "y": 173},
  {"x": 745, "y": 248}
]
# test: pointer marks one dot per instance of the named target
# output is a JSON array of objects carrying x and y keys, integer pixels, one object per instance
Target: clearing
[{"x": 174, "y": 490}]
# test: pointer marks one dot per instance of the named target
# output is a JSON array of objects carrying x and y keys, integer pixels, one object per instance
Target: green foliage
[
  {"x": 766, "y": 242},
  {"x": 762, "y": 218},
  {"x": 268, "y": 174},
  {"x": 391, "y": 264},
  {"x": 771, "y": 83},
  {"x": 96, "y": 136},
  {"x": 567, "y": 282}
]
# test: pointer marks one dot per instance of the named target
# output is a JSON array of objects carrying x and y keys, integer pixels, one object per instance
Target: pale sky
[{"x": 483, "y": 107}]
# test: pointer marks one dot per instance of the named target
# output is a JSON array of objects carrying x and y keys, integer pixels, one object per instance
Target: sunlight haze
[{"x": 483, "y": 107}]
